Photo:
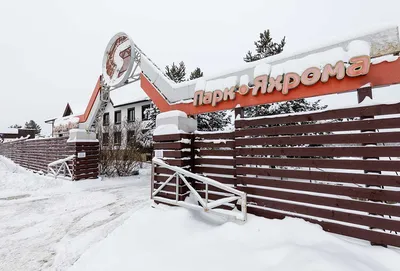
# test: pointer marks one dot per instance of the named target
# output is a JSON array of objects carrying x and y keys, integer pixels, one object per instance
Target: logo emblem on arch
[{"x": 118, "y": 60}]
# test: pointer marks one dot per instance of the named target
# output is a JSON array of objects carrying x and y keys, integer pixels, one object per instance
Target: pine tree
[
  {"x": 33, "y": 125},
  {"x": 176, "y": 73},
  {"x": 151, "y": 114},
  {"x": 265, "y": 47},
  {"x": 214, "y": 121},
  {"x": 197, "y": 73},
  {"x": 301, "y": 105}
]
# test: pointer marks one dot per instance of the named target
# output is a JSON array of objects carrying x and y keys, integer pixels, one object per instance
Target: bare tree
[{"x": 123, "y": 147}]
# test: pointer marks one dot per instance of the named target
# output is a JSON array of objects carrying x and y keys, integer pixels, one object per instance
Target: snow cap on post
[{"x": 174, "y": 121}]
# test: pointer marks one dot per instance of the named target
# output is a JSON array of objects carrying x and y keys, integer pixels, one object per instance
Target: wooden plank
[
  {"x": 178, "y": 162},
  {"x": 161, "y": 178},
  {"x": 171, "y": 187},
  {"x": 325, "y": 127},
  {"x": 354, "y": 192},
  {"x": 214, "y": 161},
  {"x": 78, "y": 144},
  {"x": 229, "y": 135},
  {"x": 171, "y": 145},
  {"x": 371, "y": 165},
  {"x": 337, "y": 177},
  {"x": 86, "y": 148},
  {"x": 225, "y": 180},
  {"x": 364, "y": 234},
  {"x": 171, "y": 137},
  {"x": 176, "y": 154},
  {"x": 171, "y": 196},
  {"x": 374, "y": 110},
  {"x": 365, "y": 151},
  {"x": 364, "y": 206},
  {"x": 365, "y": 220},
  {"x": 216, "y": 170},
  {"x": 227, "y": 144},
  {"x": 201, "y": 187},
  {"x": 81, "y": 171},
  {"x": 85, "y": 176},
  {"x": 381, "y": 137},
  {"x": 216, "y": 152},
  {"x": 160, "y": 170}
]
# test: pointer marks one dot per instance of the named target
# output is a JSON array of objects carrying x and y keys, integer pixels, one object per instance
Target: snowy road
[{"x": 46, "y": 224}]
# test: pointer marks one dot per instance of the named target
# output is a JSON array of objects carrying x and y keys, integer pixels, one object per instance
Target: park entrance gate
[{"x": 337, "y": 168}]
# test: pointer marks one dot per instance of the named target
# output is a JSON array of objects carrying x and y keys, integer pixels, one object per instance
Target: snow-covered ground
[
  {"x": 46, "y": 224},
  {"x": 170, "y": 238}
]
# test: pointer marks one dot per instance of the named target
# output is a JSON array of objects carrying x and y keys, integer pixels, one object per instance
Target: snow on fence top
[
  {"x": 13, "y": 131},
  {"x": 66, "y": 123},
  {"x": 167, "y": 129},
  {"x": 172, "y": 113},
  {"x": 374, "y": 43}
]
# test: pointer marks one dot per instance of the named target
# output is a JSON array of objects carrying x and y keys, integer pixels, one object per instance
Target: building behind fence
[{"x": 342, "y": 175}]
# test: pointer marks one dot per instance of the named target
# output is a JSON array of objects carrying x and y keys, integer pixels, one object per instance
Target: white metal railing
[
  {"x": 182, "y": 174},
  {"x": 60, "y": 167}
]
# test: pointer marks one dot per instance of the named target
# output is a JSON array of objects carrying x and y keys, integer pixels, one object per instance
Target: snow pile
[
  {"x": 170, "y": 114},
  {"x": 331, "y": 56},
  {"x": 388, "y": 58},
  {"x": 167, "y": 129},
  {"x": 131, "y": 93},
  {"x": 14, "y": 179},
  {"x": 9, "y": 131},
  {"x": 167, "y": 238},
  {"x": 167, "y": 122},
  {"x": 72, "y": 119},
  {"x": 262, "y": 69}
]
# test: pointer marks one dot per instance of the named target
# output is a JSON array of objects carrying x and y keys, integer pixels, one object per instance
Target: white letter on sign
[{"x": 217, "y": 97}]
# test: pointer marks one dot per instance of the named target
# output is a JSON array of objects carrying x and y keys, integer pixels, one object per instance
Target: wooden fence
[
  {"x": 36, "y": 154},
  {"x": 177, "y": 151},
  {"x": 337, "y": 168}
]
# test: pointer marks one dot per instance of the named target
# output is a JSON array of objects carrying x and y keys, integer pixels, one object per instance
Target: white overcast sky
[{"x": 51, "y": 51}]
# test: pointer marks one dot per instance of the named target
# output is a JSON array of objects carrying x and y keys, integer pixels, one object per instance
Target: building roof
[
  {"x": 128, "y": 94},
  {"x": 67, "y": 112}
]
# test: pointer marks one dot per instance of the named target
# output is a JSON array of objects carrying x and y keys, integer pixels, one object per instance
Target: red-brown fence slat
[
  {"x": 365, "y": 151},
  {"x": 324, "y": 127},
  {"x": 371, "y": 165},
  {"x": 367, "y": 111},
  {"x": 355, "y": 138},
  {"x": 353, "y": 192},
  {"x": 338, "y": 177},
  {"x": 355, "y": 232}
]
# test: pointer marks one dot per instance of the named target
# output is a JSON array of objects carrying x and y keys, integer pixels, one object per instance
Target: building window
[
  {"x": 117, "y": 117},
  {"x": 117, "y": 138},
  {"x": 131, "y": 114},
  {"x": 144, "y": 115},
  {"x": 106, "y": 119},
  {"x": 131, "y": 137},
  {"x": 106, "y": 138}
]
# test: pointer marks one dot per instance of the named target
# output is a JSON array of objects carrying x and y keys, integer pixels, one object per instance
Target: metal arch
[{"x": 105, "y": 90}]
